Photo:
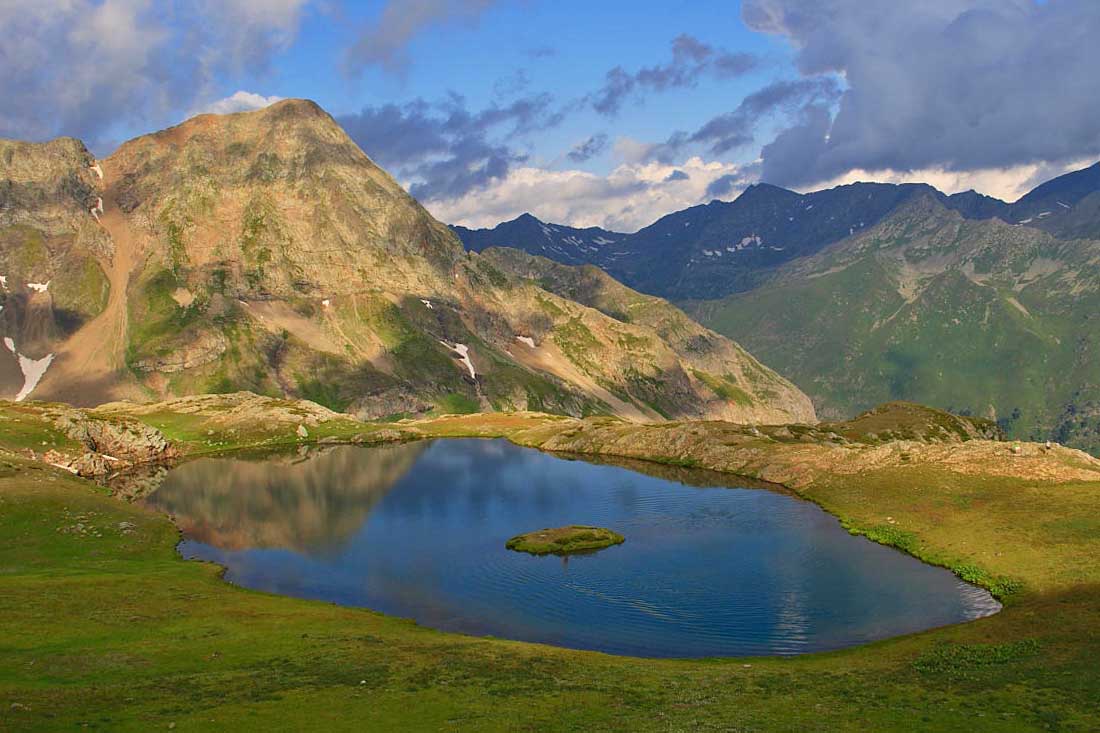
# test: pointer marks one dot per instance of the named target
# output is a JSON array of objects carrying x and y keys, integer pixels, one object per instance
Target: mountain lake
[{"x": 711, "y": 566}]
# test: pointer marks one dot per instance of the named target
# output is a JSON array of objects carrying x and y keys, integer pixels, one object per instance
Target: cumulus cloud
[
  {"x": 239, "y": 101},
  {"x": 588, "y": 149},
  {"x": 86, "y": 67},
  {"x": 444, "y": 149},
  {"x": 959, "y": 85},
  {"x": 385, "y": 41},
  {"x": 631, "y": 196},
  {"x": 691, "y": 60}
]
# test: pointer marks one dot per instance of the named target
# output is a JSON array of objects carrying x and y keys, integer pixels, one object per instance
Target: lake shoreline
[{"x": 958, "y": 502}]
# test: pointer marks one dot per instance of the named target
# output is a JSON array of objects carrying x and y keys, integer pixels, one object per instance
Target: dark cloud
[
  {"x": 385, "y": 41},
  {"x": 691, "y": 60},
  {"x": 959, "y": 84},
  {"x": 444, "y": 149},
  {"x": 88, "y": 69},
  {"x": 723, "y": 186},
  {"x": 734, "y": 129},
  {"x": 677, "y": 175},
  {"x": 588, "y": 149}
]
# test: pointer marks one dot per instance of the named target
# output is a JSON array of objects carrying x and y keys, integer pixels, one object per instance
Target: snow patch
[
  {"x": 526, "y": 340},
  {"x": 1026, "y": 221},
  {"x": 463, "y": 352},
  {"x": 4, "y": 281},
  {"x": 1064, "y": 206},
  {"x": 427, "y": 303},
  {"x": 32, "y": 369},
  {"x": 9, "y": 343},
  {"x": 753, "y": 240},
  {"x": 603, "y": 240},
  {"x": 1044, "y": 213},
  {"x": 40, "y": 287}
]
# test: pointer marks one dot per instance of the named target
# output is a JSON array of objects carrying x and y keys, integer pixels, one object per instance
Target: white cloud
[
  {"x": 90, "y": 68},
  {"x": 1007, "y": 184},
  {"x": 240, "y": 101},
  {"x": 631, "y": 196}
]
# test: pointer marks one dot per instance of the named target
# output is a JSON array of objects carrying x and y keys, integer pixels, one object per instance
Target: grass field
[{"x": 103, "y": 626}]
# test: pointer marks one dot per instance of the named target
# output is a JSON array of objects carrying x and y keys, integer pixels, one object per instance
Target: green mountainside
[
  {"x": 977, "y": 316},
  {"x": 265, "y": 251}
]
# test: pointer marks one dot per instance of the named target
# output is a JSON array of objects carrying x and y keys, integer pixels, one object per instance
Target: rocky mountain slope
[
  {"x": 51, "y": 282},
  {"x": 977, "y": 316},
  {"x": 265, "y": 251}
]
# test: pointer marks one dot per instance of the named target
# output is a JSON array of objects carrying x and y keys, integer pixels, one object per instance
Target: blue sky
[
  {"x": 484, "y": 60},
  {"x": 563, "y": 49},
  {"x": 611, "y": 112}
]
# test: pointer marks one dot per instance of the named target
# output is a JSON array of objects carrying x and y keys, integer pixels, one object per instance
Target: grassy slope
[
  {"x": 1019, "y": 347},
  {"x": 111, "y": 629}
]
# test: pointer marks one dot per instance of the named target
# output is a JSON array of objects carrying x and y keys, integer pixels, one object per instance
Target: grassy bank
[{"x": 102, "y": 625}]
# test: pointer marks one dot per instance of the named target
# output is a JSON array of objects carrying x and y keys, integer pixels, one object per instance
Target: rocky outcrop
[{"x": 110, "y": 444}]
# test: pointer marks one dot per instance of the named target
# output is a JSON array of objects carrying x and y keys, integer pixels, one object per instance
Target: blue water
[{"x": 418, "y": 531}]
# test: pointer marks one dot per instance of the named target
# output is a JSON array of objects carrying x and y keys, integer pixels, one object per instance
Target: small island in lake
[{"x": 564, "y": 540}]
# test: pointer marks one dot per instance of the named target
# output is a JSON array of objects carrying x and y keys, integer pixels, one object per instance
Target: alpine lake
[{"x": 711, "y": 565}]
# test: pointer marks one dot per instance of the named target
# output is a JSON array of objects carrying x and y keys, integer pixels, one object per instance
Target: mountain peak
[
  {"x": 1069, "y": 188},
  {"x": 766, "y": 192}
]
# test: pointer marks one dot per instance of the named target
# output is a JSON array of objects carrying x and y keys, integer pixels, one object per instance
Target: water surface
[{"x": 418, "y": 531}]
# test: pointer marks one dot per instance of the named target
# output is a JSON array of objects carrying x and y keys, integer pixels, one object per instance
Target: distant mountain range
[
  {"x": 568, "y": 245},
  {"x": 872, "y": 292},
  {"x": 721, "y": 248},
  {"x": 264, "y": 251}
]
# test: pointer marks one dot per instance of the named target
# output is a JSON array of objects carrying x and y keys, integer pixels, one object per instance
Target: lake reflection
[{"x": 418, "y": 531}]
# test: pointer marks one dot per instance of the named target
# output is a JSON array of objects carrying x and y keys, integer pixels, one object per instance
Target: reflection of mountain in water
[{"x": 305, "y": 502}]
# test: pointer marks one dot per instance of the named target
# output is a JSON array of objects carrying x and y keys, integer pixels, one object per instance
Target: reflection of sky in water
[{"x": 419, "y": 532}]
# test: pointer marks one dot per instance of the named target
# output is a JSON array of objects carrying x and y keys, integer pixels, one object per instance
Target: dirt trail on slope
[{"x": 90, "y": 367}]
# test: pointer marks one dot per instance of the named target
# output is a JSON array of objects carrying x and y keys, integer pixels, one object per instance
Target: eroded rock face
[
  {"x": 205, "y": 349},
  {"x": 51, "y": 249}
]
